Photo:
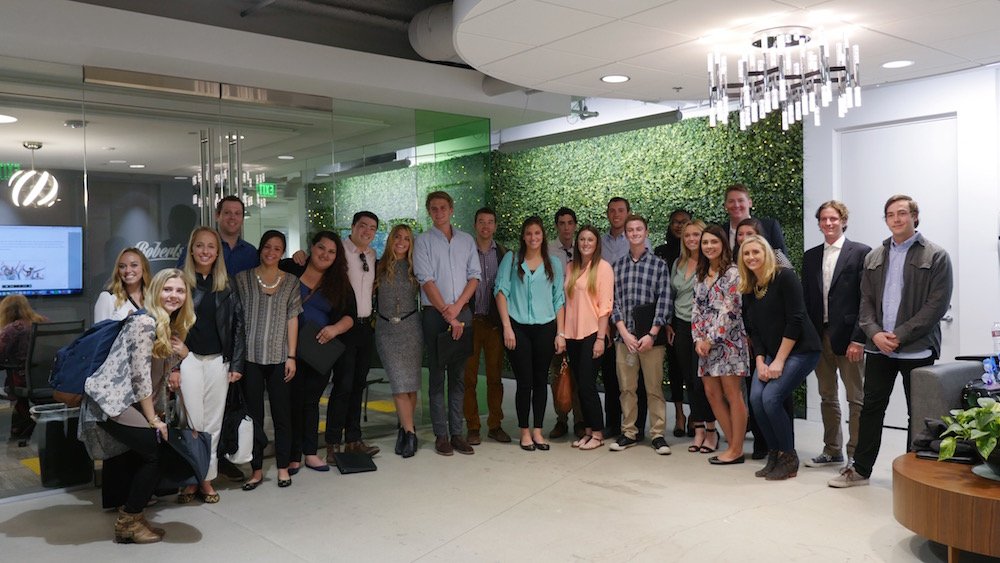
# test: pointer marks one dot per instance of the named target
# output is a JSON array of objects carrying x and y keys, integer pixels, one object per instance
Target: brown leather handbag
[{"x": 562, "y": 394}]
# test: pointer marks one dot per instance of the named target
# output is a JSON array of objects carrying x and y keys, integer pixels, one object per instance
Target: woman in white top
[{"x": 123, "y": 294}]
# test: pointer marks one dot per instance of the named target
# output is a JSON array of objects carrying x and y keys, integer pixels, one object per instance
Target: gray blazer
[{"x": 927, "y": 286}]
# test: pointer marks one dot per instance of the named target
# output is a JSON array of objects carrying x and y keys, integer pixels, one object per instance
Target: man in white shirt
[{"x": 831, "y": 286}]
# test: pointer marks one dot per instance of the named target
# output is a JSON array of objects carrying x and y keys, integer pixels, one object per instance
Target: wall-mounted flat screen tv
[{"x": 41, "y": 260}]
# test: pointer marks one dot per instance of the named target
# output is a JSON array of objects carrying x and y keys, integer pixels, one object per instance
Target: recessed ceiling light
[
  {"x": 136, "y": 165},
  {"x": 615, "y": 78},
  {"x": 897, "y": 64},
  {"x": 75, "y": 123},
  {"x": 322, "y": 175},
  {"x": 7, "y": 118},
  {"x": 117, "y": 161},
  {"x": 180, "y": 177},
  {"x": 286, "y": 157},
  {"x": 107, "y": 148}
]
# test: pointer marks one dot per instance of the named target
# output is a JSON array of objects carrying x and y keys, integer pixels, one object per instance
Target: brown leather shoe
[
  {"x": 560, "y": 430},
  {"x": 360, "y": 447},
  {"x": 473, "y": 438},
  {"x": 443, "y": 446},
  {"x": 461, "y": 446},
  {"x": 499, "y": 435},
  {"x": 333, "y": 449}
]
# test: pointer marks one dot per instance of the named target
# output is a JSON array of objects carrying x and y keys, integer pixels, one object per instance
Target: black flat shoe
[
  {"x": 680, "y": 429},
  {"x": 294, "y": 470},
  {"x": 284, "y": 483},
  {"x": 714, "y": 460},
  {"x": 542, "y": 446},
  {"x": 251, "y": 485},
  {"x": 320, "y": 468},
  {"x": 528, "y": 447}
]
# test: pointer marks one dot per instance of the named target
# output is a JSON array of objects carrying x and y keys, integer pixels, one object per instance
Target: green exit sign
[
  {"x": 267, "y": 190},
  {"x": 7, "y": 169}
]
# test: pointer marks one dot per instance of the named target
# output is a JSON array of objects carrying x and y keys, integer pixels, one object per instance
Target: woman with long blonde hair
[
  {"x": 215, "y": 349},
  {"x": 398, "y": 333},
  {"x": 589, "y": 294},
  {"x": 125, "y": 398},
  {"x": 16, "y": 318},
  {"x": 786, "y": 347},
  {"x": 124, "y": 294}
]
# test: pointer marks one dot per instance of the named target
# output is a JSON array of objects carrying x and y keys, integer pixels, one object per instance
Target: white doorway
[{"x": 915, "y": 157}]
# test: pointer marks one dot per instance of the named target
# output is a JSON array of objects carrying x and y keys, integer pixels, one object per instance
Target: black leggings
[
  {"x": 687, "y": 366},
  {"x": 147, "y": 470},
  {"x": 306, "y": 389},
  {"x": 255, "y": 380},
  {"x": 583, "y": 366},
  {"x": 530, "y": 359}
]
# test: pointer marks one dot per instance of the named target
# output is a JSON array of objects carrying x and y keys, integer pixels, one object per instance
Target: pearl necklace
[{"x": 264, "y": 285}]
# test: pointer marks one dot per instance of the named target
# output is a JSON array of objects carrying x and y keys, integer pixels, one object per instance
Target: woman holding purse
[
  {"x": 215, "y": 350},
  {"x": 328, "y": 305},
  {"x": 589, "y": 295},
  {"x": 529, "y": 295}
]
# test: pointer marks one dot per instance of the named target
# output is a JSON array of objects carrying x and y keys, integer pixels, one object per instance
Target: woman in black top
[
  {"x": 785, "y": 344},
  {"x": 327, "y": 302}
]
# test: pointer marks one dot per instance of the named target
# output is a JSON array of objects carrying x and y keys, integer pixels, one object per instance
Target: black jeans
[
  {"x": 338, "y": 409},
  {"x": 880, "y": 378},
  {"x": 584, "y": 366},
  {"x": 530, "y": 359},
  {"x": 364, "y": 340},
  {"x": 446, "y": 417},
  {"x": 687, "y": 370},
  {"x": 271, "y": 377},
  {"x": 613, "y": 395},
  {"x": 147, "y": 471},
  {"x": 306, "y": 388}
]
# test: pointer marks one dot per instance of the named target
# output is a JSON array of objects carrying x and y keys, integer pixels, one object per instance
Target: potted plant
[{"x": 979, "y": 425}]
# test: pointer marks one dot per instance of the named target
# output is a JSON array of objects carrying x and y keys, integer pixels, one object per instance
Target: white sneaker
[{"x": 848, "y": 478}]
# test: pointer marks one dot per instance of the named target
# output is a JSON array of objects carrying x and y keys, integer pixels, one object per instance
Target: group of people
[{"x": 715, "y": 303}]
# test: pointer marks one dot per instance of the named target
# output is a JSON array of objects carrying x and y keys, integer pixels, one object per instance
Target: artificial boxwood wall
[{"x": 686, "y": 164}]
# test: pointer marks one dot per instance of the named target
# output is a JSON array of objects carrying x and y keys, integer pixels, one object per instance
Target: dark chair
[{"x": 46, "y": 339}]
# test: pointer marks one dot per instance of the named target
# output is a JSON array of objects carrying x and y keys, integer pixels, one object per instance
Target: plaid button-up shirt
[{"x": 641, "y": 282}]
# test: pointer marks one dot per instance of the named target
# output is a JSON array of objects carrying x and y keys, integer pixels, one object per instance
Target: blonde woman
[
  {"x": 398, "y": 336},
  {"x": 785, "y": 344},
  {"x": 683, "y": 276},
  {"x": 215, "y": 349},
  {"x": 124, "y": 293},
  {"x": 125, "y": 400},
  {"x": 589, "y": 294},
  {"x": 16, "y": 318}
]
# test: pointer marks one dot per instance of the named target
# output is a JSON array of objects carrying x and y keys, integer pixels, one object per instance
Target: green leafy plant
[{"x": 979, "y": 425}]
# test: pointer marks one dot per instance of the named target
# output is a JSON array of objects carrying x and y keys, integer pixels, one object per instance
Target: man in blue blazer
[{"x": 831, "y": 284}]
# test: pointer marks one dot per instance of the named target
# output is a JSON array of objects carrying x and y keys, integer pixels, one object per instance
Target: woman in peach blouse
[{"x": 589, "y": 293}]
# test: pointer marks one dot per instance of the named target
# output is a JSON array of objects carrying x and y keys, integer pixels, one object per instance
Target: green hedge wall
[{"x": 686, "y": 165}]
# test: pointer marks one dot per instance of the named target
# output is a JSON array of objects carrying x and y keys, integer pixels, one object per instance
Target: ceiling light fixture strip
[{"x": 785, "y": 77}]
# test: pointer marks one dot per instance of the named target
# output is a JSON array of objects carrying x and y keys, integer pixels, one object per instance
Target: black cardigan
[{"x": 780, "y": 313}]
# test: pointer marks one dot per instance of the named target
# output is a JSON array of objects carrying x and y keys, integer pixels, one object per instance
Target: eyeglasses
[
  {"x": 569, "y": 253},
  {"x": 364, "y": 262}
]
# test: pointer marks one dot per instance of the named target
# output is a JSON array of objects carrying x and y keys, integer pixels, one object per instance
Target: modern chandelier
[
  {"x": 786, "y": 73},
  {"x": 31, "y": 188}
]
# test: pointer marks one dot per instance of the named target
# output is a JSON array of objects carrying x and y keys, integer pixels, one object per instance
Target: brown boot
[
  {"x": 156, "y": 530},
  {"x": 786, "y": 468},
  {"x": 333, "y": 449},
  {"x": 772, "y": 460},
  {"x": 129, "y": 528}
]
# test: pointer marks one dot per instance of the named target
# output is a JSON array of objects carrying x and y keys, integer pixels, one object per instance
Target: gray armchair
[{"x": 937, "y": 389}]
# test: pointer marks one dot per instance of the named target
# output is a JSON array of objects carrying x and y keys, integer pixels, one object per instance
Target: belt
[{"x": 397, "y": 320}]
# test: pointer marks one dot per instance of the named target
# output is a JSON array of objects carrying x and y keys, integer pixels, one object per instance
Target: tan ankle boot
[
  {"x": 130, "y": 528},
  {"x": 158, "y": 531}
]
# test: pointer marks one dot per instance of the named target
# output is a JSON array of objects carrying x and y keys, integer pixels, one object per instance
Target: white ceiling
[{"x": 566, "y": 46}]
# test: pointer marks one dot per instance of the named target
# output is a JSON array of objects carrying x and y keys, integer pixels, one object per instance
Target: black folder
[
  {"x": 642, "y": 317},
  {"x": 320, "y": 357}
]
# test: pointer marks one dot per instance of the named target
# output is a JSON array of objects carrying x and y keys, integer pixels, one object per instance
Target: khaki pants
[
  {"x": 826, "y": 376},
  {"x": 487, "y": 339},
  {"x": 651, "y": 363}
]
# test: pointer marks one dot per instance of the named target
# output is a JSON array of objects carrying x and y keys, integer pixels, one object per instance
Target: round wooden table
[{"x": 947, "y": 503}]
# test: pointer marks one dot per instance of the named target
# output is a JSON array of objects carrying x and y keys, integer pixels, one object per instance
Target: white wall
[{"x": 972, "y": 97}]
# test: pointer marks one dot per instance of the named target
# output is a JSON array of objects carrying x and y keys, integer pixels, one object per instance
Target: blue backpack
[{"x": 79, "y": 360}]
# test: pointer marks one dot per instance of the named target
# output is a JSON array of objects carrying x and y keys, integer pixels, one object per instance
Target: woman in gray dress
[{"x": 398, "y": 337}]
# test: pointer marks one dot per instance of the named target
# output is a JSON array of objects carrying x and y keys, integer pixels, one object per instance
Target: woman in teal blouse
[{"x": 529, "y": 294}]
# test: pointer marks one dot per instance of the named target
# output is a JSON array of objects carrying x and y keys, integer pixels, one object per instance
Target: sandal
[
  {"x": 705, "y": 449},
  {"x": 578, "y": 443},
  {"x": 695, "y": 448},
  {"x": 592, "y": 444}
]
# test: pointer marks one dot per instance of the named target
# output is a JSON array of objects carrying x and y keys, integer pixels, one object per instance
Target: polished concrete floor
[{"x": 501, "y": 504}]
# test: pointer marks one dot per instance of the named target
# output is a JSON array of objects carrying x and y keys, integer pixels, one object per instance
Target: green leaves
[{"x": 980, "y": 425}]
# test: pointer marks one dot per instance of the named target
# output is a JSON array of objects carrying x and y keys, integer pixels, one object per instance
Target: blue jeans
[{"x": 766, "y": 398}]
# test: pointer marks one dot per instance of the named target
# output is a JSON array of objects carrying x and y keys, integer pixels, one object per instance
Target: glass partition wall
[{"x": 140, "y": 161}]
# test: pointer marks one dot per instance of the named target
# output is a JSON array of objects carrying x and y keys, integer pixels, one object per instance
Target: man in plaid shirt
[{"x": 642, "y": 294}]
